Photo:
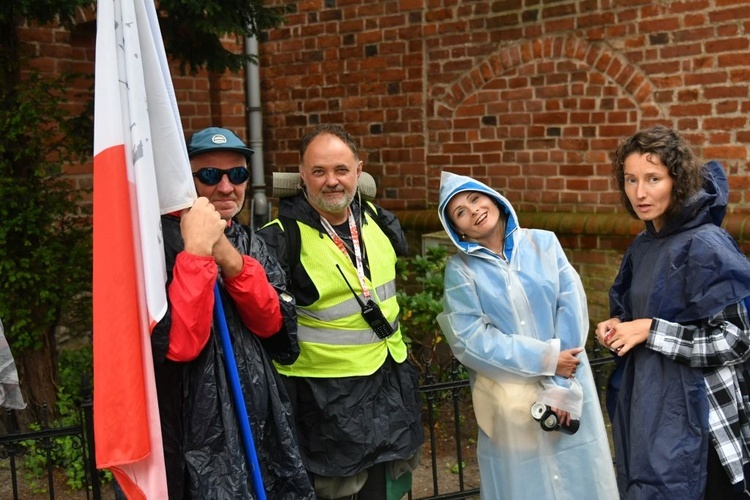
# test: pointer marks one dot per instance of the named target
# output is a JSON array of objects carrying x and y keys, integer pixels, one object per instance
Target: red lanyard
[{"x": 357, "y": 252}]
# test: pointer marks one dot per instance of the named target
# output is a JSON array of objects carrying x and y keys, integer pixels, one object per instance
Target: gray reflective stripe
[
  {"x": 348, "y": 307},
  {"x": 386, "y": 290},
  {"x": 339, "y": 337},
  {"x": 342, "y": 310}
]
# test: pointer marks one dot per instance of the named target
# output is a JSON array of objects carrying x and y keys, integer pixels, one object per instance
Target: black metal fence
[
  {"x": 45, "y": 441},
  {"x": 446, "y": 420},
  {"x": 452, "y": 396}
]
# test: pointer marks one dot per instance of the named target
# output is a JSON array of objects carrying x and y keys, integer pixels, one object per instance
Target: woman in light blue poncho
[{"x": 514, "y": 313}]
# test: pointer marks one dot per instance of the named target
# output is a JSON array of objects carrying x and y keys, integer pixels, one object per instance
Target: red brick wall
[
  {"x": 530, "y": 96},
  {"x": 56, "y": 50}
]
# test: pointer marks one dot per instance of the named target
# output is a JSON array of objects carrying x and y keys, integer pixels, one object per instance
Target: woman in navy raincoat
[
  {"x": 514, "y": 313},
  {"x": 680, "y": 329}
]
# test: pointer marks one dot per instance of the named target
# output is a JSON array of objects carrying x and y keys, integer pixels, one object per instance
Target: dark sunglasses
[{"x": 211, "y": 176}]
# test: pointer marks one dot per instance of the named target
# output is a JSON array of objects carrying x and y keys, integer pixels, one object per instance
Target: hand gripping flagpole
[{"x": 237, "y": 396}]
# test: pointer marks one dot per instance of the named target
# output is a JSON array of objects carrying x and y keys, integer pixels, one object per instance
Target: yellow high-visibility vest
[{"x": 334, "y": 338}]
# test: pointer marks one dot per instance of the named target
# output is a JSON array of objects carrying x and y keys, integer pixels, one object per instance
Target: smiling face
[
  {"x": 226, "y": 197},
  {"x": 475, "y": 216},
  {"x": 648, "y": 187},
  {"x": 330, "y": 170}
]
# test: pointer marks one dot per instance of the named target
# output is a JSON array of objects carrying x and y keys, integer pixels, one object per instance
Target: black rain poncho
[{"x": 199, "y": 424}]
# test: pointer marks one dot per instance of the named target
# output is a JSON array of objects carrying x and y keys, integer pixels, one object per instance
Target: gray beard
[{"x": 333, "y": 208}]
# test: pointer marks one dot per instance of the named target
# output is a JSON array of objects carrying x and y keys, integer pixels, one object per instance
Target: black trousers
[
  {"x": 718, "y": 486},
  {"x": 375, "y": 486}
]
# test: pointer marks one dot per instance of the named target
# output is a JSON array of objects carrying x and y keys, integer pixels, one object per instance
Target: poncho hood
[
  {"x": 708, "y": 205},
  {"x": 452, "y": 184}
]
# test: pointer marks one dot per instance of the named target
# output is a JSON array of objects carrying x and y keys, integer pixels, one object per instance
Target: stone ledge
[{"x": 571, "y": 223}]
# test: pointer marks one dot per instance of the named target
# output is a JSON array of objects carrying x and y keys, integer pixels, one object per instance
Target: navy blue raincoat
[{"x": 690, "y": 270}]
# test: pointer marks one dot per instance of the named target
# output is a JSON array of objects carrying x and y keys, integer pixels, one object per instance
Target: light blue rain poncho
[
  {"x": 507, "y": 321},
  {"x": 10, "y": 392}
]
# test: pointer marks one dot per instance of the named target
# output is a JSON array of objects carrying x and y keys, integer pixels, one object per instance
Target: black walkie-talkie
[{"x": 371, "y": 313}]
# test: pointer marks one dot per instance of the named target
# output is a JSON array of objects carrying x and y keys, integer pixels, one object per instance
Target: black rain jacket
[{"x": 203, "y": 448}]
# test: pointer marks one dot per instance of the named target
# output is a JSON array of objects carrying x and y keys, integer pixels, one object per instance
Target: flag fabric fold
[{"x": 141, "y": 170}]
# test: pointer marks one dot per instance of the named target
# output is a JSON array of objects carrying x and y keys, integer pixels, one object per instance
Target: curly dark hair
[{"x": 674, "y": 153}]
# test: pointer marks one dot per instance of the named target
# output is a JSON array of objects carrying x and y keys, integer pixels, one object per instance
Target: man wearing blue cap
[{"x": 203, "y": 448}]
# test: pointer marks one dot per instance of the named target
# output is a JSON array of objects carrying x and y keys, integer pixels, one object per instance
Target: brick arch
[
  {"x": 539, "y": 120},
  {"x": 597, "y": 56}
]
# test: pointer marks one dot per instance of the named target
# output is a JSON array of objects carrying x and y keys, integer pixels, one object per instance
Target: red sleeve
[
  {"x": 192, "y": 299},
  {"x": 255, "y": 298}
]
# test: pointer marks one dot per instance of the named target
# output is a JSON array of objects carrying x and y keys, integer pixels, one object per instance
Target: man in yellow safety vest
[{"x": 355, "y": 395}]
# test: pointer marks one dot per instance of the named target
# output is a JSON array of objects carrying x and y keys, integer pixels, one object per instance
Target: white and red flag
[{"x": 141, "y": 170}]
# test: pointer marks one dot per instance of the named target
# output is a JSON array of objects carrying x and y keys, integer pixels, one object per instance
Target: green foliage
[
  {"x": 42, "y": 11},
  {"x": 420, "y": 298},
  {"x": 72, "y": 364},
  {"x": 44, "y": 241},
  {"x": 192, "y": 30},
  {"x": 64, "y": 452},
  {"x": 454, "y": 468}
]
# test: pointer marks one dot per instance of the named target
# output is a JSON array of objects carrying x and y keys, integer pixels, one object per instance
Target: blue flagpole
[{"x": 239, "y": 399}]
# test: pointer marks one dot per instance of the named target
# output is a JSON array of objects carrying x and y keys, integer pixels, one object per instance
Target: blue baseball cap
[{"x": 216, "y": 139}]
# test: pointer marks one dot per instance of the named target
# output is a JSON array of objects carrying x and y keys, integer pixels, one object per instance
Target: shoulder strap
[
  {"x": 372, "y": 211},
  {"x": 293, "y": 244}
]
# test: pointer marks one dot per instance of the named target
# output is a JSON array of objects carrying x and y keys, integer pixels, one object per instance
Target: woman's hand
[
  {"x": 567, "y": 362},
  {"x": 625, "y": 336},
  {"x": 563, "y": 417},
  {"x": 604, "y": 331}
]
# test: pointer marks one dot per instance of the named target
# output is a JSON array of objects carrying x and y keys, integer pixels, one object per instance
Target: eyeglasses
[{"x": 211, "y": 176}]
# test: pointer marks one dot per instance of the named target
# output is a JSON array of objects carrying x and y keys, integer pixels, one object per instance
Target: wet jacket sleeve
[
  {"x": 619, "y": 293},
  {"x": 191, "y": 301},
  {"x": 282, "y": 346},
  {"x": 571, "y": 327},
  {"x": 478, "y": 344},
  {"x": 275, "y": 242},
  {"x": 10, "y": 390},
  {"x": 256, "y": 300}
]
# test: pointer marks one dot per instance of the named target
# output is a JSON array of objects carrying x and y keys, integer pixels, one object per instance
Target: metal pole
[
  {"x": 259, "y": 206},
  {"x": 88, "y": 430}
]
